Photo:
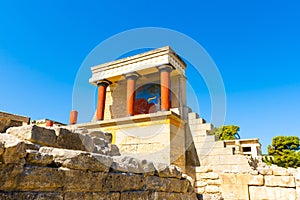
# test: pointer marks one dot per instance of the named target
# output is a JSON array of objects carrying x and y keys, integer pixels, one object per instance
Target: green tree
[
  {"x": 285, "y": 151},
  {"x": 226, "y": 132}
]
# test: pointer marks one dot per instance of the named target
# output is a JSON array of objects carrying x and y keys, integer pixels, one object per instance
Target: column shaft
[
  {"x": 101, "y": 100},
  {"x": 73, "y": 117},
  {"x": 131, "y": 83},
  {"x": 165, "y": 84}
]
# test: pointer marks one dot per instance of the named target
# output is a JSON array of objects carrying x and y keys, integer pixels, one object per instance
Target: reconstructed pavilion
[{"x": 142, "y": 102}]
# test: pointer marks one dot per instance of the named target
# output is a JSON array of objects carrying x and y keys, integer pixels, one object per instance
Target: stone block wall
[
  {"x": 264, "y": 182},
  {"x": 10, "y": 120},
  {"x": 207, "y": 182},
  {"x": 40, "y": 163},
  {"x": 159, "y": 137}
]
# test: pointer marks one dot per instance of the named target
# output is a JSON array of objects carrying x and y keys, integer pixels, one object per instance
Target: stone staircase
[{"x": 212, "y": 152}]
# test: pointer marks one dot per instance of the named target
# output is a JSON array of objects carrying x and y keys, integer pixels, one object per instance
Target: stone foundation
[{"x": 159, "y": 137}]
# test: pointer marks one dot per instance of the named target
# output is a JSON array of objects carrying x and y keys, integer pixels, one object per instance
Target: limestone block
[
  {"x": 206, "y": 126},
  {"x": 234, "y": 192},
  {"x": 155, "y": 183},
  {"x": 242, "y": 179},
  {"x": 100, "y": 142},
  {"x": 174, "y": 185},
  {"x": 283, "y": 181},
  {"x": 185, "y": 184},
  {"x": 198, "y": 133},
  {"x": 35, "y": 134},
  {"x": 279, "y": 171},
  {"x": 36, "y": 178},
  {"x": 256, "y": 180},
  {"x": 83, "y": 181},
  {"x": 75, "y": 159},
  {"x": 298, "y": 193},
  {"x": 31, "y": 195},
  {"x": 37, "y": 158},
  {"x": 208, "y": 175},
  {"x": 9, "y": 175},
  {"x": 196, "y": 125},
  {"x": 32, "y": 146},
  {"x": 135, "y": 195},
  {"x": 99, "y": 150},
  {"x": 262, "y": 193},
  {"x": 212, "y": 189},
  {"x": 265, "y": 170},
  {"x": 159, "y": 195},
  {"x": 214, "y": 182},
  {"x": 193, "y": 115},
  {"x": 203, "y": 169},
  {"x": 114, "y": 150},
  {"x": 92, "y": 196},
  {"x": 200, "y": 183},
  {"x": 233, "y": 186},
  {"x": 123, "y": 182},
  {"x": 133, "y": 165},
  {"x": 73, "y": 140},
  {"x": 167, "y": 171},
  {"x": 13, "y": 149}
]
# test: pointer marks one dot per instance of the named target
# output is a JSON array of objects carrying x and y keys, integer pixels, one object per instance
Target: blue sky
[{"x": 255, "y": 45}]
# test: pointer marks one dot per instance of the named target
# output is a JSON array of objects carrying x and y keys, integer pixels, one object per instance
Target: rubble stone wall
[
  {"x": 264, "y": 182},
  {"x": 40, "y": 163},
  {"x": 10, "y": 120}
]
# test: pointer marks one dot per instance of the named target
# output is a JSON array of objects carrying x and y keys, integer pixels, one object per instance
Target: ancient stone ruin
[
  {"x": 61, "y": 163},
  {"x": 143, "y": 142}
]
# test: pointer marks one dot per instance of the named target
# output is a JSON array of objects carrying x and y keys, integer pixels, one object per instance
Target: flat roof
[{"x": 139, "y": 62}]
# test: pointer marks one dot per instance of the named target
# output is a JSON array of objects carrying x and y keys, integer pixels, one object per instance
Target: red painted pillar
[
  {"x": 49, "y": 123},
  {"x": 102, "y": 85},
  {"x": 131, "y": 83},
  {"x": 165, "y": 84},
  {"x": 73, "y": 117}
]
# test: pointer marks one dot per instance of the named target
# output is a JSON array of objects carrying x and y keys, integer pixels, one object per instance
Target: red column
[
  {"x": 49, "y": 123},
  {"x": 73, "y": 117},
  {"x": 131, "y": 82},
  {"x": 165, "y": 84},
  {"x": 102, "y": 85}
]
